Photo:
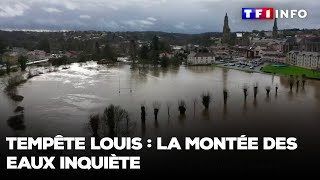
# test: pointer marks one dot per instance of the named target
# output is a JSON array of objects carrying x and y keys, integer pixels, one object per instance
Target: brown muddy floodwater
[{"x": 61, "y": 102}]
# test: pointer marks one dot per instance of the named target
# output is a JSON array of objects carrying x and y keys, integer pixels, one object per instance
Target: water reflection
[
  {"x": 205, "y": 114},
  {"x": 244, "y": 108},
  {"x": 225, "y": 111}
]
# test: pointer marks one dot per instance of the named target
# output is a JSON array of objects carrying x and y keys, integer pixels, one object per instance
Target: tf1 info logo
[{"x": 270, "y": 13}]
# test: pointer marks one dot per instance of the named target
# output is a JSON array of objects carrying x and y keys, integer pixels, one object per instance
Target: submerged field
[{"x": 291, "y": 70}]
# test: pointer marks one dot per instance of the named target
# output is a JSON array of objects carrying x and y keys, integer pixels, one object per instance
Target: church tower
[
  {"x": 275, "y": 29},
  {"x": 226, "y": 30}
]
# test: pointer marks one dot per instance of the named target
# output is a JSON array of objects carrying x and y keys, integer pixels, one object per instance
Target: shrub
[
  {"x": 206, "y": 99},
  {"x": 13, "y": 81},
  {"x": 2, "y": 72}
]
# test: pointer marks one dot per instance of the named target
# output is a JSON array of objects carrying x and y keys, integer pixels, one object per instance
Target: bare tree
[
  {"x": 303, "y": 80},
  {"x": 268, "y": 89},
  {"x": 143, "y": 112},
  {"x": 291, "y": 82},
  {"x": 245, "y": 92},
  {"x": 156, "y": 107},
  {"x": 113, "y": 122},
  {"x": 255, "y": 90},
  {"x": 182, "y": 107},
  {"x": 206, "y": 99}
]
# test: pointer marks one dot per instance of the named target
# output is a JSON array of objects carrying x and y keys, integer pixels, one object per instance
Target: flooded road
[{"x": 61, "y": 102}]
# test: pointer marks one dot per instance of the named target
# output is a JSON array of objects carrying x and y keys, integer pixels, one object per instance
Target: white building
[
  {"x": 305, "y": 59},
  {"x": 178, "y": 49},
  {"x": 201, "y": 58}
]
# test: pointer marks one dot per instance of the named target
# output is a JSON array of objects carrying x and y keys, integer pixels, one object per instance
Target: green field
[{"x": 291, "y": 70}]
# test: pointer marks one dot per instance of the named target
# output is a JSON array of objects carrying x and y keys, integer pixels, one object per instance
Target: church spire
[
  {"x": 275, "y": 25},
  {"x": 275, "y": 29},
  {"x": 226, "y": 19},
  {"x": 226, "y": 30}
]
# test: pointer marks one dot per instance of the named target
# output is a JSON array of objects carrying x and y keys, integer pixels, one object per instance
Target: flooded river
[{"x": 61, "y": 102}]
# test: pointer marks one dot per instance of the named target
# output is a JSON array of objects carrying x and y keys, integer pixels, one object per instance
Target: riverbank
[{"x": 291, "y": 70}]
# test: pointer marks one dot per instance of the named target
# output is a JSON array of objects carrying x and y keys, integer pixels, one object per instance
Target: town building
[
  {"x": 261, "y": 46},
  {"x": 302, "y": 43},
  {"x": 201, "y": 58},
  {"x": 305, "y": 59},
  {"x": 273, "y": 56}
]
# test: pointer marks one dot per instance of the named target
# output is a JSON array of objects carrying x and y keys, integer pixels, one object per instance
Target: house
[
  {"x": 10, "y": 57},
  {"x": 177, "y": 49},
  {"x": 36, "y": 55},
  {"x": 72, "y": 54},
  {"x": 305, "y": 59},
  {"x": 201, "y": 58}
]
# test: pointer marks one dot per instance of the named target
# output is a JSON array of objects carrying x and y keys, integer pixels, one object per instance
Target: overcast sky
[{"x": 184, "y": 16}]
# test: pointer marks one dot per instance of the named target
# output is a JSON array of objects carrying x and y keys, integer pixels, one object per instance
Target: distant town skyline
[{"x": 178, "y": 16}]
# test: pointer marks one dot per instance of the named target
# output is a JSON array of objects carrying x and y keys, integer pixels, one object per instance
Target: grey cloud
[
  {"x": 52, "y": 10},
  {"x": 12, "y": 10},
  {"x": 188, "y": 16}
]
